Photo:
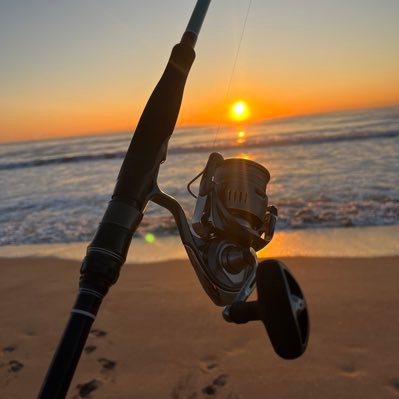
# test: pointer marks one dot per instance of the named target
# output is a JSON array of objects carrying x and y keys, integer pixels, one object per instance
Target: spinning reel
[{"x": 232, "y": 221}]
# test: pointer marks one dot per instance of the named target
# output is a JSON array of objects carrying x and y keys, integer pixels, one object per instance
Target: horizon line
[{"x": 199, "y": 125}]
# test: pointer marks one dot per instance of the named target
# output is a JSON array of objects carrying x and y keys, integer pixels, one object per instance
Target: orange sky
[{"x": 79, "y": 68}]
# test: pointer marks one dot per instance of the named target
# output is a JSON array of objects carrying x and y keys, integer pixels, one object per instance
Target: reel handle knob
[
  {"x": 281, "y": 306},
  {"x": 241, "y": 312}
]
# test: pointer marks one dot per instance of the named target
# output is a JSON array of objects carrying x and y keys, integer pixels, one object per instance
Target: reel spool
[
  {"x": 232, "y": 212},
  {"x": 232, "y": 203}
]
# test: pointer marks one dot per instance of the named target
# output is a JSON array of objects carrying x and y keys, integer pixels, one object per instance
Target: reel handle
[
  {"x": 281, "y": 306},
  {"x": 241, "y": 312}
]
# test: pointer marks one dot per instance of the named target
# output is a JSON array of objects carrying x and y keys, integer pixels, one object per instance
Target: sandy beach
[{"x": 158, "y": 335}]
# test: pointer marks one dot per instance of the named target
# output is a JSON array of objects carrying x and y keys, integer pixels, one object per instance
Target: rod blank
[{"x": 194, "y": 25}]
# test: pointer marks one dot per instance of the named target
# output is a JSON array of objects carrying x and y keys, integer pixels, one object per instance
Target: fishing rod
[{"x": 232, "y": 220}]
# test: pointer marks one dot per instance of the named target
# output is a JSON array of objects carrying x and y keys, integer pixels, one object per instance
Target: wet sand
[{"x": 158, "y": 335}]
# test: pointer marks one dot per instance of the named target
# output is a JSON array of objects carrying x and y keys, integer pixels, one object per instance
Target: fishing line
[
  {"x": 234, "y": 67},
  {"x": 226, "y": 96}
]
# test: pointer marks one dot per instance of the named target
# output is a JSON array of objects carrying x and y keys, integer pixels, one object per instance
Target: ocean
[{"x": 328, "y": 171}]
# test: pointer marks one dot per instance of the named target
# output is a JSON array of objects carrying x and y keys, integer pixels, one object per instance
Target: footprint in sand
[
  {"x": 107, "y": 364},
  {"x": 108, "y": 369},
  {"x": 9, "y": 349},
  {"x": 95, "y": 332},
  {"x": 393, "y": 385},
  {"x": 204, "y": 382},
  {"x": 98, "y": 333},
  {"x": 349, "y": 371},
  {"x": 89, "y": 349},
  {"x": 218, "y": 382},
  {"x": 211, "y": 366},
  {"x": 14, "y": 366},
  {"x": 11, "y": 367},
  {"x": 84, "y": 390}
]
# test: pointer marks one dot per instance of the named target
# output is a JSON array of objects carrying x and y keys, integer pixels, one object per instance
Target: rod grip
[{"x": 148, "y": 147}]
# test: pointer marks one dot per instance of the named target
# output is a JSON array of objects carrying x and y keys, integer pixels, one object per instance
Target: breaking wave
[{"x": 221, "y": 145}]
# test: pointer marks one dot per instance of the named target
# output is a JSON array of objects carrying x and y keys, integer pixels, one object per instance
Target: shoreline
[{"x": 349, "y": 242}]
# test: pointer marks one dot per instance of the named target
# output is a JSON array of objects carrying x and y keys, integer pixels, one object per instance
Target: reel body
[{"x": 232, "y": 220}]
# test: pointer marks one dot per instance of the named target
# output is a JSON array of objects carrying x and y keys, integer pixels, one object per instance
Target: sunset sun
[{"x": 239, "y": 111}]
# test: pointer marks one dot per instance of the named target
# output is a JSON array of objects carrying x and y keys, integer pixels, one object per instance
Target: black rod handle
[
  {"x": 136, "y": 181},
  {"x": 67, "y": 355},
  {"x": 148, "y": 147}
]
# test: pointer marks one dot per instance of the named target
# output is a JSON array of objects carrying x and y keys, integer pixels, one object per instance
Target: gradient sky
[{"x": 77, "y": 67}]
